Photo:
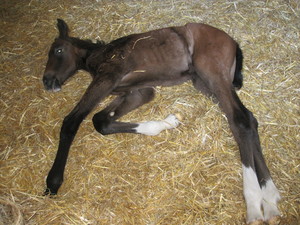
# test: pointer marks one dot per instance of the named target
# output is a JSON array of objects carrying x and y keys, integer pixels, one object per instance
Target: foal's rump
[{"x": 214, "y": 54}]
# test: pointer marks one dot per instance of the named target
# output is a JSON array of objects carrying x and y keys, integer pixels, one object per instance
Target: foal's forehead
[{"x": 60, "y": 42}]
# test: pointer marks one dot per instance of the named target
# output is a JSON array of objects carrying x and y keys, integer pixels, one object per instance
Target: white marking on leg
[
  {"x": 253, "y": 195},
  {"x": 155, "y": 127},
  {"x": 270, "y": 198}
]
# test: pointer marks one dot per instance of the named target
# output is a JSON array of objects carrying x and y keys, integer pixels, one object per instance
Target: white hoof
[{"x": 172, "y": 121}]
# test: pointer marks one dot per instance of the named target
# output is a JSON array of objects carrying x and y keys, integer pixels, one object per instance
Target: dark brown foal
[{"x": 130, "y": 67}]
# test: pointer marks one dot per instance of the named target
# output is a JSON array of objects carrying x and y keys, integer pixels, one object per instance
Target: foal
[{"x": 130, "y": 68}]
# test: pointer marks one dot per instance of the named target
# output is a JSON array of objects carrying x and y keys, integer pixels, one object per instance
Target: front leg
[
  {"x": 97, "y": 90},
  {"x": 68, "y": 130},
  {"x": 105, "y": 121}
]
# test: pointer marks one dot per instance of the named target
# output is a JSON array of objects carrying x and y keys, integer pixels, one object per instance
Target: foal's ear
[{"x": 62, "y": 28}]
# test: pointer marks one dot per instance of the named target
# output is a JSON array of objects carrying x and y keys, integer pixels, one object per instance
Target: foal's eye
[{"x": 58, "y": 51}]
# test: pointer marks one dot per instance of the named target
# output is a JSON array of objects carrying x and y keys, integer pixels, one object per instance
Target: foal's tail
[{"x": 238, "y": 76}]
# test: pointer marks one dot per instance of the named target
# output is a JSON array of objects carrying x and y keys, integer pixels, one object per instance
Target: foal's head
[{"x": 63, "y": 59}]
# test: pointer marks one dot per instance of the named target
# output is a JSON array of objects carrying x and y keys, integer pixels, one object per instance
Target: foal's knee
[{"x": 100, "y": 123}]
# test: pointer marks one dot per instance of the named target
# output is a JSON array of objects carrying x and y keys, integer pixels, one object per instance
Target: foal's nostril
[{"x": 47, "y": 82}]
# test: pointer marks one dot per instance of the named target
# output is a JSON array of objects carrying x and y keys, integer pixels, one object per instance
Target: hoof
[
  {"x": 275, "y": 220},
  {"x": 48, "y": 192},
  {"x": 172, "y": 120},
  {"x": 256, "y": 222}
]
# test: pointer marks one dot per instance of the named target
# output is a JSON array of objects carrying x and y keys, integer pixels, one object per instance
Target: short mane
[{"x": 87, "y": 44}]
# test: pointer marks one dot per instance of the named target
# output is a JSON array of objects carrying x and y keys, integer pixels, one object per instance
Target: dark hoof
[{"x": 48, "y": 192}]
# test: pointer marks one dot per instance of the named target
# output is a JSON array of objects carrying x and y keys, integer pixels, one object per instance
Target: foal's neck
[{"x": 87, "y": 48}]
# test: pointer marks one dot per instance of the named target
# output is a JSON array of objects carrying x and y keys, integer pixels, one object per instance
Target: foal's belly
[
  {"x": 142, "y": 78},
  {"x": 157, "y": 59}
]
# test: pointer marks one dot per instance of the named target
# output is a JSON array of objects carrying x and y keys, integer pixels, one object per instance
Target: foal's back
[{"x": 168, "y": 56}]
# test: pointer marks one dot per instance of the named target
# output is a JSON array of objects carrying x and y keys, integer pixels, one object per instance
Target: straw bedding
[{"x": 190, "y": 175}]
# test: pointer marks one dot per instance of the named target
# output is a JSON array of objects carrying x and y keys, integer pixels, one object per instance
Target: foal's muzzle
[{"x": 51, "y": 84}]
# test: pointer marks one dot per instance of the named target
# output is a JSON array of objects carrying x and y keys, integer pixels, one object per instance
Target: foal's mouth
[{"x": 51, "y": 84}]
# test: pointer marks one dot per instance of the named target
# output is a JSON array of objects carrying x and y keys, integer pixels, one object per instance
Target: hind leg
[
  {"x": 105, "y": 121},
  {"x": 259, "y": 189}
]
